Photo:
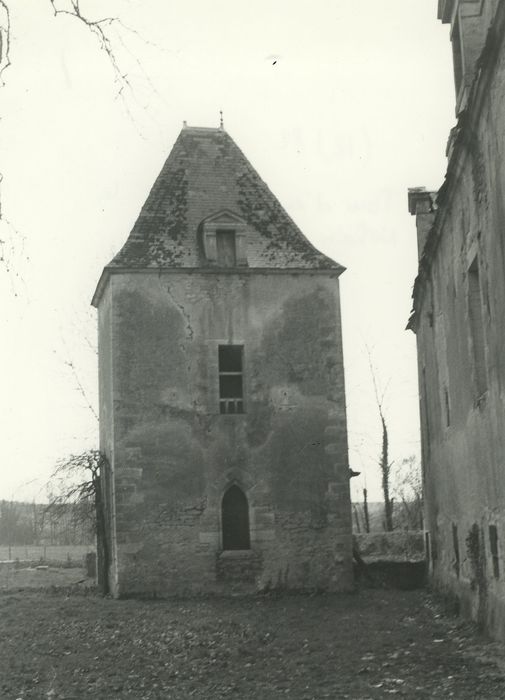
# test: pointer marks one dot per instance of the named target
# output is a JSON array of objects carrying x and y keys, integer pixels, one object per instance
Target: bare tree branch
[
  {"x": 73, "y": 484},
  {"x": 12, "y": 249},
  {"x": 66, "y": 359},
  {"x": 408, "y": 488},
  {"x": 5, "y": 38},
  {"x": 80, "y": 388},
  {"x": 98, "y": 28},
  {"x": 379, "y": 397},
  {"x": 111, "y": 42},
  {"x": 5, "y": 42}
]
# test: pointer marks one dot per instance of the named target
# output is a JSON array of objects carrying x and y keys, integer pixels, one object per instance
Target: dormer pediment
[{"x": 225, "y": 217}]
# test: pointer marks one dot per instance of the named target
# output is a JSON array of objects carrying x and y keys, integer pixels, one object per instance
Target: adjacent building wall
[
  {"x": 459, "y": 303},
  {"x": 173, "y": 455}
]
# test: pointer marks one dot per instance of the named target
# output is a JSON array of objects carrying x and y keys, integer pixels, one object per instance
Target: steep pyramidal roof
[{"x": 206, "y": 173}]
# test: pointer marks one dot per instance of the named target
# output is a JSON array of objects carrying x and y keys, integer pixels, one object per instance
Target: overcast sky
[{"x": 340, "y": 106}]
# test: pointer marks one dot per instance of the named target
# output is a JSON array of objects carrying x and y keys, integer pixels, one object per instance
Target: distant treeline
[
  {"x": 407, "y": 515},
  {"x": 40, "y": 524}
]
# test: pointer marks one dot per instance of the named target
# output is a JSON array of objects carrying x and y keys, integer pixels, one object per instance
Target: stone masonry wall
[
  {"x": 106, "y": 550},
  {"x": 463, "y": 427},
  {"x": 174, "y": 454}
]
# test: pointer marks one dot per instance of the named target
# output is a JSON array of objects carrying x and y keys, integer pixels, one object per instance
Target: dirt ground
[{"x": 375, "y": 644}]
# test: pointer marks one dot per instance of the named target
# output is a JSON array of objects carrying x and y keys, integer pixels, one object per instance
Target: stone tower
[{"x": 222, "y": 406}]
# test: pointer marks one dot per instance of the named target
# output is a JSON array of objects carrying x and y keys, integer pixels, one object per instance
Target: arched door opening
[{"x": 235, "y": 519}]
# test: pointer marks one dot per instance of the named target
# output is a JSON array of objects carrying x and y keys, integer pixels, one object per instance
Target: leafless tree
[
  {"x": 73, "y": 483},
  {"x": 384, "y": 463},
  {"x": 78, "y": 482},
  {"x": 408, "y": 491}
]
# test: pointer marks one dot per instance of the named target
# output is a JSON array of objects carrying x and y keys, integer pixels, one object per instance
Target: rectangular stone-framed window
[
  {"x": 231, "y": 379},
  {"x": 455, "y": 544},
  {"x": 493, "y": 544},
  {"x": 477, "y": 330},
  {"x": 447, "y": 407},
  {"x": 425, "y": 417},
  {"x": 457, "y": 56}
]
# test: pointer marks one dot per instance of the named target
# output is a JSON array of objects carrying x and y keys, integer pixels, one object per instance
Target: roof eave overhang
[
  {"x": 100, "y": 287},
  {"x": 445, "y": 10},
  {"x": 412, "y": 323},
  {"x": 334, "y": 271}
]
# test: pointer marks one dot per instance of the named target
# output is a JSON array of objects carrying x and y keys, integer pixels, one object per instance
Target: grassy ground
[{"x": 375, "y": 644}]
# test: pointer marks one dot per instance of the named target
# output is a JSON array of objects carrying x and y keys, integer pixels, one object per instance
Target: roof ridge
[{"x": 186, "y": 127}]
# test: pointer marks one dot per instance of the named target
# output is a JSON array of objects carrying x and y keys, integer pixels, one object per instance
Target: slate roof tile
[{"x": 204, "y": 173}]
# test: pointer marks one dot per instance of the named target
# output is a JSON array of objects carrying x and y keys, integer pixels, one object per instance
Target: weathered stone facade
[
  {"x": 222, "y": 405},
  {"x": 459, "y": 297}
]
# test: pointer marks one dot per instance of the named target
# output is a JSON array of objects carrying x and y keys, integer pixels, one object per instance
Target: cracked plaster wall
[
  {"x": 174, "y": 454},
  {"x": 464, "y": 462}
]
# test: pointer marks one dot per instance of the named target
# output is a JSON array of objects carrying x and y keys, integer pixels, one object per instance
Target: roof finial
[
  {"x": 221, "y": 123},
  {"x": 184, "y": 124}
]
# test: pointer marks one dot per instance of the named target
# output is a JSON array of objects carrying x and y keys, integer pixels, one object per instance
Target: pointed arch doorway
[{"x": 235, "y": 519}]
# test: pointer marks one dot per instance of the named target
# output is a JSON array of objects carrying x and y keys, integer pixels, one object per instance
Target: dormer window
[
  {"x": 226, "y": 248},
  {"x": 224, "y": 239}
]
